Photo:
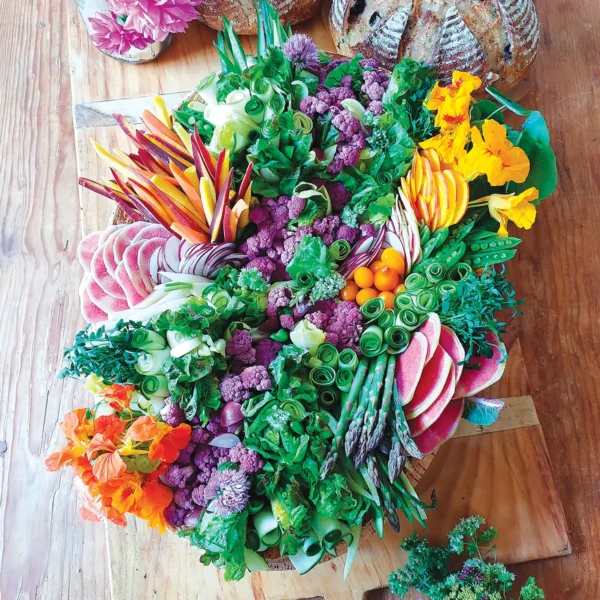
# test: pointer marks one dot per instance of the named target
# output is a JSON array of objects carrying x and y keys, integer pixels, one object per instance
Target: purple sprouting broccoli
[
  {"x": 368, "y": 230},
  {"x": 227, "y": 491},
  {"x": 174, "y": 515},
  {"x": 249, "y": 460},
  {"x": 183, "y": 498},
  {"x": 277, "y": 299},
  {"x": 266, "y": 351},
  {"x": 256, "y": 378},
  {"x": 240, "y": 346},
  {"x": 345, "y": 232},
  {"x": 338, "y": 195},
  {"x": 295, "y": 206},
  {"x": 200, "y": 435},
  {"x": 177, "y": 476},
  {"x": 312, "y": 106},
  {"x": 376, "y": 107},
  {"x": 232, "y": 390},
  {"x": 346, "y": 325},
  {"x": 198, "y": 494},
  {"x": 172, "y": 414},
  {"x": 302, "y": 51},
  {"x": 259, "y": 214},
  {"x": 264, "y": 264},
  {"x": 319, "y": 319},
  {"x": 347, "y": 124},
  {"x": 287, "y": 321}
]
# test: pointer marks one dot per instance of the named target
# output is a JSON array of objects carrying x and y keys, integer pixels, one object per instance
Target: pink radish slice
[
  {"x": 126, "y": 236},
  {"x": 108, "y": 252},
  {"x": 110, "y": 229},
  {"x": 90, "y": 311},
  {"x": 431, "y": 330},
  {"x": 431, "y": 384},
  {"x": 132, "y": 295},
  {"x": 473, "y": 380},
  {"x": 130, "y": 261},
  {"x": 145, "y": 254},
  {"x": 102, "y": 300},
  {"x": 409, "y": 367},
  {"x": 102, "y": 277},
  {"x": 451, "y": 344},
  {"x": 87, "y": 247},
  {"x": 425, "y": 420},
  {"x": 151, "y": 232},
  {"x": 443, "y": 429}
]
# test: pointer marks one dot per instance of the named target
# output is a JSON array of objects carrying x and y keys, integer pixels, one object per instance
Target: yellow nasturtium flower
[
  {"x": 451, "y": 143},
  {"x": 462, "y": 83},
  {"x": 495, "y": 156}
]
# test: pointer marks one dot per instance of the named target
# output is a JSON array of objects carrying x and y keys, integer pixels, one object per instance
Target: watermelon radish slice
[
  {"x": 131, "y": 293},
  {"x": 125, "y": 237},
  {"x": 490, "y": 370},
  {"x": 85, "y": 251},
  {"x": 425, "y": 420},
  {"x": 130, "y": 262},
  {"x": 108, "y": 252},
  {"x": 91, "y": 313},
  {"x": 451, "y": 344},
  {"x": 409, "y": 367},
  {"x": 101, "y": 299},
  {"x": 104, "y": 234},
  {"x": 431, "y": 383},
  {"x": 149, "y": 247},
  {"x": 431, "y": 329},
  {"x": 151, "y": 232},
  {"x": 102, "y": 277},
  {"x": 442, "y": 430}
]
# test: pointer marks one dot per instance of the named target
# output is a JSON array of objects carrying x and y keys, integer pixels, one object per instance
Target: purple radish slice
[
  {"x": 130, "y": 262},
  {"x": 431, "y": 384},
  {"x": 152, "y": 231},
  {"x": 409, "y": 367},
  {"x": 108, "y": 252},
  {"x": 90, "y": 311},
  {"x": 473, "y": 380},
  {"x": 103, "y": 278},
  {"x": 132, "y": 295},
  {"x": 451, "y": 344},
  {"x": 442, "y": 430},
  {"x": 86, "y": 248},
  {"x": 102, "y": 300},
  {"x": 431, "y": 329},
  {"x": 145, "y": 255},
  {"x": 126, "y": 236},
  {"x": 425, "y": 420}
]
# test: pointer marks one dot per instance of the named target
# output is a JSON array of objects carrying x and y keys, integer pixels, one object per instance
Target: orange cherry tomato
[
  {"x": 388, "y": 299},
  {"x": 350, "y": 291},
  {"x": 363, "y": 277},
  {"x": 394, "y": 260},
  {"x": 364, "y": 295},
  {"x": 378, "y": 264},
  {"x": 400, "y": 288},
  {"x": 386, "y": 279}
]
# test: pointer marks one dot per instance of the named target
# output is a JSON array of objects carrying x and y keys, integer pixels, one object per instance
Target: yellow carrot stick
[
  {"x": 184, "y": 136},
  {"x": 188, "y": 189},
  {"x": 161, "y": 111},
  {"x": 190, "y": 235},
  {"x": 208, "y": 198},
  {"x": 152, "y": 201},
  {"x": 240, "y": 210},
  {"x": 248, "y": 195},
  {"x": 157, "y": 143},
  {"x": 192, "y": 176},
  {"x": 176, "y": 195}
]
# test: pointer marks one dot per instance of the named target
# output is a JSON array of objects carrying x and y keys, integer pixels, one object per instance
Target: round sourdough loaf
[
  {"x": 494, "y": 39},
  {"x": 243, "y": 16}
]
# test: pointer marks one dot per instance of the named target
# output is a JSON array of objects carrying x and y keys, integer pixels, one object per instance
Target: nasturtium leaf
[
  {"x": 482, "y": 411},
  {"x": 535, "y": 126},
  {"x": 140, "y": 463},
  {"x": 507, "y": 102},
  {"x": 486, "y": 109}
]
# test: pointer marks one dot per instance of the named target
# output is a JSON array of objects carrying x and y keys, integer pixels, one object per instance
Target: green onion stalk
[
  {"x": 343, "y": 379},
  {"x": 348, "y": 359},
  {"x": 147, "y": 340},
  {"x": 372, "y": 342},
  {"x": 322, "y": 376},
  {"x": 340, "y": 249},
  {"x": 372, "y": 309}
]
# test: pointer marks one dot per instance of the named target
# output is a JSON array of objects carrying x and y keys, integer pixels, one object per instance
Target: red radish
[
  {"x": 443, "y": 429},
  {"x": 451, "y": 344},
  {"x": 432, "y": 381},
  {"x": 425, "y": 420},
  {"x": 490, "y": 370},
  {"x": 150, "y": 232},
  {"x": 102, "y": 300},
  {"x": 126, "y": 237},
  {"x": 146, "y": 252},
  {"x": 132, "y": 295},
  {"x": 103, "y": 278},
  {"x": 91, "y": 313},
  {"x": 108, "y": 252},
  {"x": 87, "y": 247},
  {"x": 130, "y": 262},
  {"x": 409, "y": 367},
  {"x": 431, "y": 330}
]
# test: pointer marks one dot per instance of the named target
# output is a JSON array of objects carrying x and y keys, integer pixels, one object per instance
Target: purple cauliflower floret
[
  {"x": 326, "y": 225},
  {"x": 287, "y": 321},
  {"x": 319, "y": 319},
  {"x": 260, "y": 241},
  {"x": 279, "y": 211},
  {"x": 232, "y": 390},
  {"x": 376, "y": 107},
  {"x": 345, "y": 232},
  {"x": 259, "y": 214},
  {"x": 368, "y": 230},
  {"x": 346, "y": 324},
  {"x": 336, "y": 63},
  {"x": 256, "y": 378},
  {"x": 347, "y": 155},
  {"x": 172, "y": 414},
  {"x": 206, "y": 460},
  {"x": 264, "y": 264},
  {"x": 185, "y": 457},
  {"x": 200, "y": 435},
  {"x": 312, "y": 106},
  {"x": 374, "y": 91},
  {"x": 295, "y": 206},
  {"x": 346, "y": 81},
  {"x": 325, "y": 96},
  {"x": 183, "y": 498},
  {"x": 338, "y": 195},
  {"x": 249, "y": 460},
  {"x": 266, "y": 351},
  {"x": 240, "y": 346},
  {"x": 177, "y": 476},
  {"x": 198, "y": 495},
  {"x": 174, "y": 515},
  {"x": 347, "y": 124},
  {"x": 341, "y": 93},
  {"x": 278, "y": 298},
  {"x": 332, "y": 338},
  {"x": 369, "y": 63}
]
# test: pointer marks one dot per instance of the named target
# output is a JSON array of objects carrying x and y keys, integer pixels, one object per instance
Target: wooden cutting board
[{"x": 502, "y": 473}]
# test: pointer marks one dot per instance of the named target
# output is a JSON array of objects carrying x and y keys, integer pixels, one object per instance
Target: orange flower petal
[
  {"x": 143, "y": 429},
  {"x": 108, "y": 466},
  {"x": 99, "y": 444},
  {"x": 109, "y": 425}
]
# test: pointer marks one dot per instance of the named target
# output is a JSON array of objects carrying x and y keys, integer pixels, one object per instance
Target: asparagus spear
[
  {"x": 375, "y": 435},
  {"x": 401, "y": 426},
  {"x": 397, "y": 457},
  {"x": 347, "y": 410},
  {"x": 372, "y": 470},
  {"x": 357, "y": 418},
  {"x": 389, "y": 506}
]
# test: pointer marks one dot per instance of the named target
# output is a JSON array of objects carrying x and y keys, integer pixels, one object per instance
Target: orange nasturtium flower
[
  {"x": 169, "y": 441},
  {"x": 109, "y": 425},
  {"x": 143, "y": 429},
  {"x": 495, "y": 156},
  {"x": 109, "y": 465},
  {"x": 119, "y": 395},
  {"x": 75, "y": 429},
  {"x": 124, "y": 492},
  {"x": 151, "y": 505}
]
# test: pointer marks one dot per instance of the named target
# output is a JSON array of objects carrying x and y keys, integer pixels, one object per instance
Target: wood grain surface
[{"x": 46, "y": 551}]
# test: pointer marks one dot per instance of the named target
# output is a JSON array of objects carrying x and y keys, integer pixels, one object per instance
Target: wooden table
[{"x": 45, "y": 550}]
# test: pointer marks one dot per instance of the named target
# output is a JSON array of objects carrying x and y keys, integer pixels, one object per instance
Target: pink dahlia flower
[
  {"x": 112, "y": 36},
  {"x": 156, "y": 18}
]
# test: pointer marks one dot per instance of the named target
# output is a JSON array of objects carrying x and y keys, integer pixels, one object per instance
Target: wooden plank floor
[{"x": 45, "y": 550}]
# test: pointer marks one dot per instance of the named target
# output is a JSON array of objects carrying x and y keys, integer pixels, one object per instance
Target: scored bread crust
[
  {"x": 242, "y": 15},
  {"x": 494, "y": 39}
]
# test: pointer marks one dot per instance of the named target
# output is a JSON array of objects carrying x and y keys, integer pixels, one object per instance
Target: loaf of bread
[
  {"x": 243, "y": 16},
  {"x": 494, "y": 39}
]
